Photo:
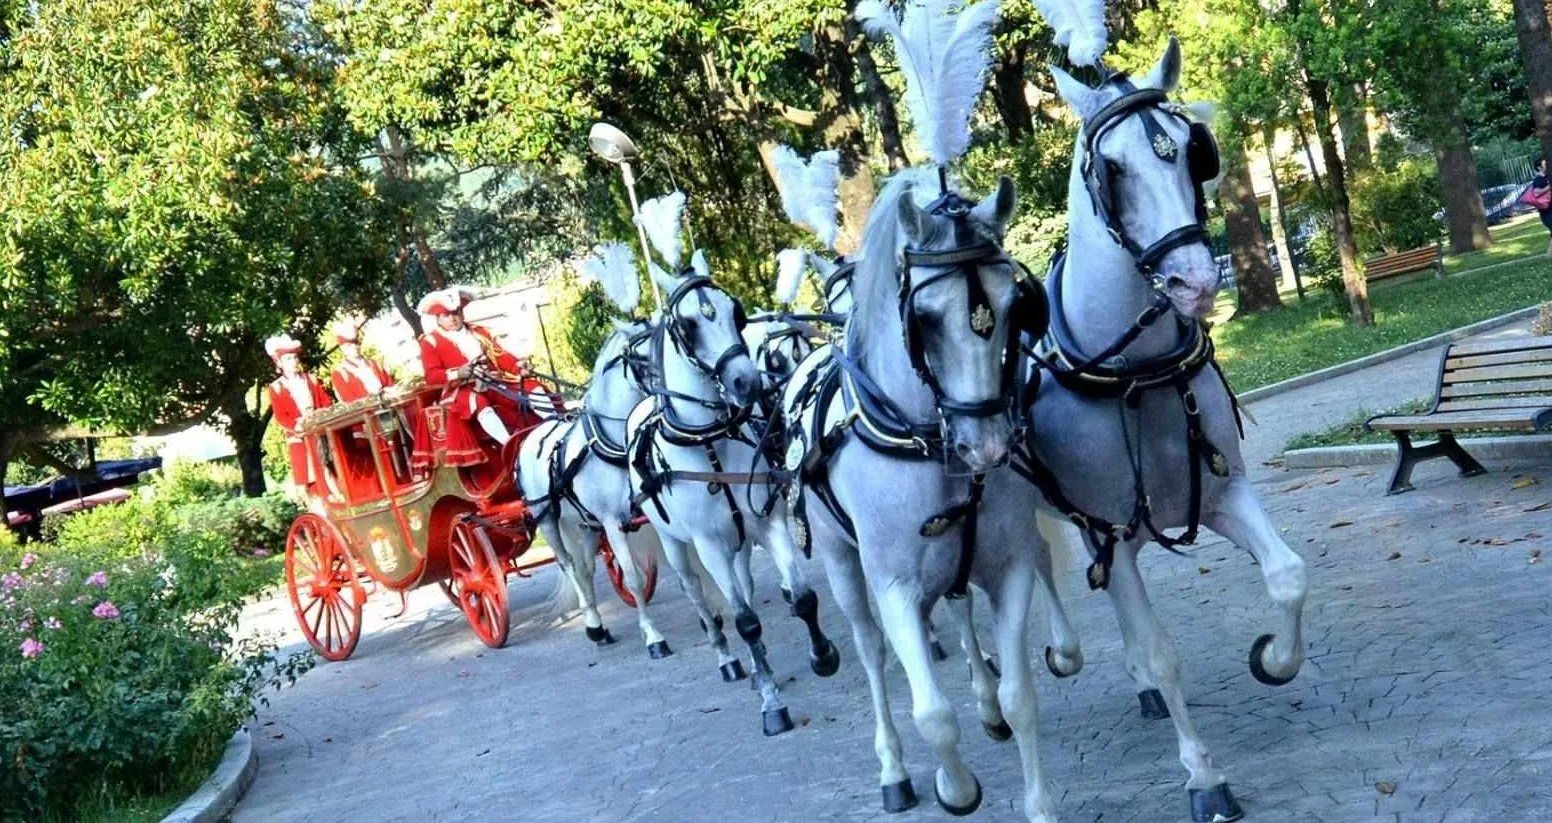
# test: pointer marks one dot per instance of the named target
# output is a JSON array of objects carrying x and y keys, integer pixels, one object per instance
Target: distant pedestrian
[{"x": 1540, "y": 196}]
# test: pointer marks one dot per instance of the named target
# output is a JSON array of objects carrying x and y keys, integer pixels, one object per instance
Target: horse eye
[{"x": 689, "y": 324}]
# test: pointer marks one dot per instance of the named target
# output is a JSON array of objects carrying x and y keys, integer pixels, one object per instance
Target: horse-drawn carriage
[{"x": 397, "y": 515}]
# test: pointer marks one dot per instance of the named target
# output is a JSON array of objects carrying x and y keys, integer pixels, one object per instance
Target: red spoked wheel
[
  {"x": 478, "y": 585},
  {"x": 617, "y": 574},
  {"x": 323, "y": 588}
]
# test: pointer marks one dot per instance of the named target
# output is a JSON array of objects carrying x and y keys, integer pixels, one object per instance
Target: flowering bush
[{"x": 126, "y": 678}]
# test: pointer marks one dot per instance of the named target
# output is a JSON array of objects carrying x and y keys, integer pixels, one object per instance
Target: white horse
[
  {"x": 694, "y": 427},
  {"x": 572, "y": 472},
  {"x": 880, "y": 420},
  {"x": 1130, "y": 423}
]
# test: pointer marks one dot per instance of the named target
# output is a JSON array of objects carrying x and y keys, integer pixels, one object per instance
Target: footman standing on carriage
[
  {"x": 451, "y": 355},
  {"x": 293, "y": 396},
  {"x": 357, "y": 376}
]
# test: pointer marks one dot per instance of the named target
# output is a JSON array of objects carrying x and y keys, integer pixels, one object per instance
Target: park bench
[
  {"x": 1395, "y": 265},
  {"x": 1504, "y": 385}
]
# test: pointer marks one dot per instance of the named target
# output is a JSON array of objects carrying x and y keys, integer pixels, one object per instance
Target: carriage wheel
[
  {"x": 323, "y": 590},
  {"x": 478, "y": 585},
  {"x": 617, "y": 574}
]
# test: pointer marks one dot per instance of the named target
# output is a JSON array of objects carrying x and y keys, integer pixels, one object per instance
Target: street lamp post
[{"x": 616, "y": 147}]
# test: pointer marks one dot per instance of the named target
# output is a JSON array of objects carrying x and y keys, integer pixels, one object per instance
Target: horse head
[
  {"x": 1140, "y": 165},
  {"x": 704, "y": 328}
]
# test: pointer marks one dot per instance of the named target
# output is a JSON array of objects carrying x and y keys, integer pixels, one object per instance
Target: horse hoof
[
  {"x": 899, "y": 797},
  {"x": 827, "y": 663},
  {"x": 1259, "y": 671},
  {"x": 1215, "y": 805},
  {"x": 992, "y": 664},
  {"x": 1050, "y": 663},
  {"x": 959, "y": 811},
  {"x": 1000, "y": 733},
  {"x": 937, "y": 652},
  {"x": 777, "y": 721},
  {"x": 1153, "y": 705},
  {"x": 659, "y": 650},
  {"x": 732, "y": 671},
  {"x": 600, "y": 636},
  {"x": 716, "y": 620}
]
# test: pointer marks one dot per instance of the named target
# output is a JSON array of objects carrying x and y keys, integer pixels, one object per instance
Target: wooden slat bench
[
  {"x": 1395, "y": 265},
  {"x": 1499, "y": 386}
]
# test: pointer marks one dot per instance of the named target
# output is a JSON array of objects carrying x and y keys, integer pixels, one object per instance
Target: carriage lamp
[{"x": 616, "y": 147}]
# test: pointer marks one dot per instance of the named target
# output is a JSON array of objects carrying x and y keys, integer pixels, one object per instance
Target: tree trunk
[
  {"x": 397, "y": 165},
  {"x": 1353, "y": 280},
  {"x": 406, "y": 311},
  {"x": 880, "y": 99},
  {"x": 1253, "y": 274},
  {"x": 1352, "y": 114},
  {"x": 844, "y": 131},
  {"x": 1285, "y": 261},
  {"x": 1012, "y": 103},
  {"x": 1309, "y": 155},
  {"x": 1463, "y": 208},
  {"x": 8, "y": 441},
  {"x": 1535, "y": 35},
  {"x": 247, "y": 431}
]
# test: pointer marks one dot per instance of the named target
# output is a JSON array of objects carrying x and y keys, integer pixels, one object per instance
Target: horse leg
[
  {"x": 823, "y": 657},
  {"x": 1151, "y": 658},
  {"x": 938, "y": 654},
  {"x": 1274, "y": 659},
  {"x": 959, "y": 793},
  {"x": 849, "y": 587},
  {"x": 677, "y": 552},
  {"x": 574, "y": 556},
  {"x": 721, "y": 561},
  {"x": 982, "y": 681},
  {"x": 1011, "y": 596},
  {"x": 1064, "y": 657},
  {"x": 636, "y": 582}
]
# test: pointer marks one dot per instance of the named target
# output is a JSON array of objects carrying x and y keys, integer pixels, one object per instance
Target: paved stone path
[{"x": 1428, "y": 622}]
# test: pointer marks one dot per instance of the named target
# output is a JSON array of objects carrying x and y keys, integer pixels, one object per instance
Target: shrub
[
  {"x": 1039, "y": 166},
  {"x": 116, "y": 678},
  {"x": 186, "y": 482},
  {"x": 1392, "y": 210}
]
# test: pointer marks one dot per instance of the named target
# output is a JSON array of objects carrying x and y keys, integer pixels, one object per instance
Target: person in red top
[
  {"x": 293, "y": 396},
  {"x": 447, "y": 354},
  {"x": 357, "y": 376}
]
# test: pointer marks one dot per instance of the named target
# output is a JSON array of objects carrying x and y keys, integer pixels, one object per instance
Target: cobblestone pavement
[{"x": 1425, "y": 697}]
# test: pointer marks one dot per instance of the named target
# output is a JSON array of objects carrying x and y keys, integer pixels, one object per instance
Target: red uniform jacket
[
  {"x": 288, "y": 415},
  {"x": 349, "y": 388},
  {"x": 450, "y": 438}
]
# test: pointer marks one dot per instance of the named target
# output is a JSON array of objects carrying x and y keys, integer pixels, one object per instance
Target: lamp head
[{"x": 611, "y": 144}]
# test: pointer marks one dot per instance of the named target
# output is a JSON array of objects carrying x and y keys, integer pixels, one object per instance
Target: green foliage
[
  {"x": 1039, "y": 166},
  {"x": 1351, "y": 431},
  {"x": 1393, "y": 209},
  {"x": 588, "y": 324}
]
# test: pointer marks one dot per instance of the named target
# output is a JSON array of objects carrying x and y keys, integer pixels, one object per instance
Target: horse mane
[{"x": 876, "y": 280}]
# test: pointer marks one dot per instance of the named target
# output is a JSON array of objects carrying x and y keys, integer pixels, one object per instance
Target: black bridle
[
  {"x": 1201, "y": 155},
  {"x": 673, "y": 324}
]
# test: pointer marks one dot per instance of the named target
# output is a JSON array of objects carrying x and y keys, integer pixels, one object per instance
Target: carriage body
[{"x": 388, "y": 510}]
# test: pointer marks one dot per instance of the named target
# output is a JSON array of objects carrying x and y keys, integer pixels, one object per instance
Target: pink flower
[
  {"x": 28, "y": 559},
  {"x": 106, "y": 610},
  {"x": 98, "y": 578},
  {"x": 32, "y": 648},
  {"x": 52, "y": 623},
  {"x": 12, "y": 580},
  {"x": 26, "y": 626},
  {"x": 261, "y": 553}
]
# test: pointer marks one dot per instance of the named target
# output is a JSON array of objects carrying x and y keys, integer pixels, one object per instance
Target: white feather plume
[
  {"x": 699, "y": 264},
  {"x": 1080, "y": 26},
  {"x": 945, "y": 53},
  {"x": 662, "y": 218},
  {"x": 791, "y": 264},
  {"x": 614, "y": 268},
  {"x": 809, "y": 192}
]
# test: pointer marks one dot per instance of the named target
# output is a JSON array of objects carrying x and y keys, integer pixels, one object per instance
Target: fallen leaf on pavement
[
  {"x": 1495, "y": 541},
  {"x": 277, "y": 736},
  {"x": 1535, "y": 556},
  {"x": 1540, "y": 508},
  {"x": 1203, "y": 570},
  {"x": 482, "y": 754},
  {"x": 1340, "y": 523},
  {"x": 1385, "y": 787},
  {"x": 712, "y": 710},
  {"x": 804, "y": 720},
  {"x": 1524, "y": 483},
  {"x": 462, "y": 675},
  {"x": 1295, "y": 487},
  {"x": 1394, "y": 556}
]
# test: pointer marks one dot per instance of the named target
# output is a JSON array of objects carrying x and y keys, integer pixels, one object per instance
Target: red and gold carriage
[{"x": 396, "y": 515}]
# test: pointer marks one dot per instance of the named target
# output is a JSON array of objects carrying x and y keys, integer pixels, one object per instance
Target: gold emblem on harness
[
  {"x": 795, "y": 454},
  {"x": 936, "y": 526},
  {"x": 708, "y": 311},
  {"x": 982, "y": 321},
  {"x": 1220, "y": 465},
  {"x": 799, "y": 531},
  {"x": 1165, "y": 146}
]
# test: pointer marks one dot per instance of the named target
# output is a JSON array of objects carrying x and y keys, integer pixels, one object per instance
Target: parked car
[{"x": 26, "y": 505}]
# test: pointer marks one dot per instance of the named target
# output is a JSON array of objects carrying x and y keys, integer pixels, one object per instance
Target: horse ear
[
  {"x": 996, "y": 212},
  {"x": 1165, "y": 75},
  {"x": 1083, "y": 100},
  {"x": 916, "y": 223}
]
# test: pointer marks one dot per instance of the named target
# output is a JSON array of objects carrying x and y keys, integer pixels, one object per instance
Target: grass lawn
[
  {"x": 1512, "y": 240},
  {"x": 1351, "y": 432},
  {"x": 1265, "y": 348}
]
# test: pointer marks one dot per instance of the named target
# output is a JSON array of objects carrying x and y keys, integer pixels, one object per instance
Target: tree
[
  {"x": 1256, "y": 280},
  {"x": 1535, "y": 35},
  {"x": 175, "y": 193}
]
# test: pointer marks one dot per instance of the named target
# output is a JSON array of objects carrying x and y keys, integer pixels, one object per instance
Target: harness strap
[{"x": 967, "y": 532}]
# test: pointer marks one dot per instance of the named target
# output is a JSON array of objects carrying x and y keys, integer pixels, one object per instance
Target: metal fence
[{"x": 1511, "y": 171}]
